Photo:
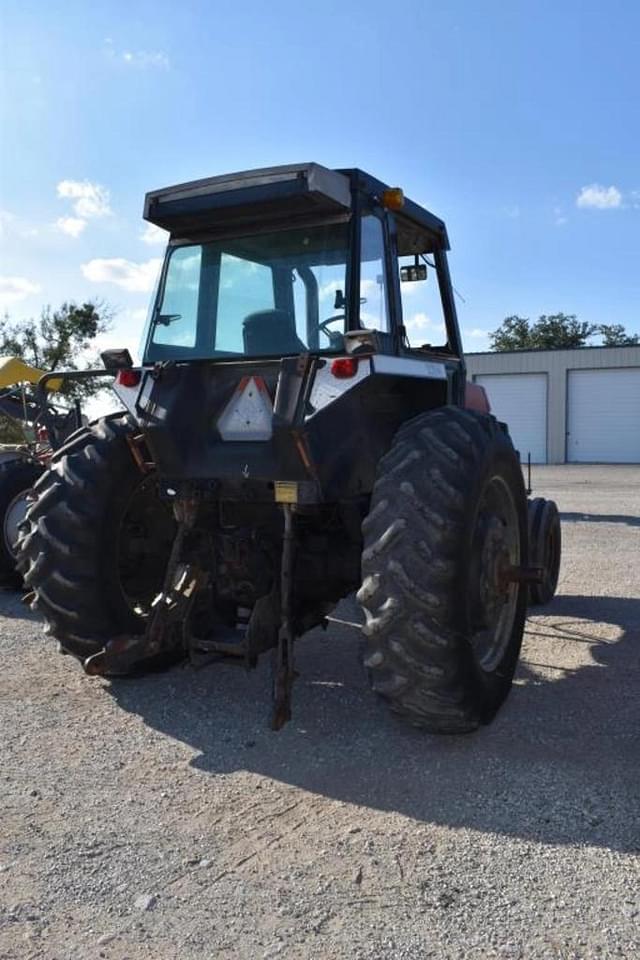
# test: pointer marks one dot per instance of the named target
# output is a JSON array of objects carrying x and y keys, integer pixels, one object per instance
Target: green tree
[
  {"x": 59, "y": 339},
  {"x": 615, "y": 335},
  {"x": 555, "y": 331},
  {"x": 514, "y": 333}
]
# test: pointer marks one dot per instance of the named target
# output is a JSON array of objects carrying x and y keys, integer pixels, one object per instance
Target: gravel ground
[{"x": 160, "y": 818}]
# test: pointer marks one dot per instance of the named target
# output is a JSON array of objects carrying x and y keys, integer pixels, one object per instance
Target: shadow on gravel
[
  {"x": 559, "y": 765},
  {"x": 630, "y": 521},
  {"x": 11, "y": 605}
]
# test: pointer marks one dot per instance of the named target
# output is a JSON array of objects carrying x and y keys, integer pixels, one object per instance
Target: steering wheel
[
  {"x": 325, "y": 323},
  {"x": 335, "y": 337}
]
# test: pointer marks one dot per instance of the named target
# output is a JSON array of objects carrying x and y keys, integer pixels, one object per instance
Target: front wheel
[
  {"x": 445, "y": 536},
  {"x": 17, "y": 477}
]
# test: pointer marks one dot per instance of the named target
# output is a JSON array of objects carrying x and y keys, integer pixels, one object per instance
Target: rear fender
[{"x": 330, "y": 422}]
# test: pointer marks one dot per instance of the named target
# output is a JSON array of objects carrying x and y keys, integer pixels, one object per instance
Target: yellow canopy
[{"x": 13, "y": 370}]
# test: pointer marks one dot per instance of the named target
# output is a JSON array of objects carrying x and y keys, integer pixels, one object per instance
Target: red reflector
[
  {"x": 128, "y": 378},
  {"x": 344, "y": 367}
]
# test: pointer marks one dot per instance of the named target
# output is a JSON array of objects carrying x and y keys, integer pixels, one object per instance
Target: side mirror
[{"x": 417, "y": 271}]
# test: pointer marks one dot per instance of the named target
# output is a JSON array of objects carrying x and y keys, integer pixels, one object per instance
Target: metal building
[{"x": 566, "y": 406}]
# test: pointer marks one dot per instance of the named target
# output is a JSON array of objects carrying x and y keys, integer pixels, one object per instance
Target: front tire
[
  {"x": 444, "y": 612},
  {"x": 17, "y": 477},
  {"x": 94, "y": 545}
]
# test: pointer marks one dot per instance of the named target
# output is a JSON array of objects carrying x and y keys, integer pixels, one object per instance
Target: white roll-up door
[
  {"x": 520, "y": 400},
  {"x": 603, "y": 416}
]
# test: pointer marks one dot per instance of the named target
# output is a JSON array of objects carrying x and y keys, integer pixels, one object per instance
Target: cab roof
[{"x": 281, "y": 196}]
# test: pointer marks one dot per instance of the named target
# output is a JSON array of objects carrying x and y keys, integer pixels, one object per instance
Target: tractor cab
[
  {"x": 276, "y": 338},
  {"x": 291, "y": 260}
]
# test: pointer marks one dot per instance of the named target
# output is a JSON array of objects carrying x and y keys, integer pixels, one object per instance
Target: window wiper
[{"x": 164, "y": 319}]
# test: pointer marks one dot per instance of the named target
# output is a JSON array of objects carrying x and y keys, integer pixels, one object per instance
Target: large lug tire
[
  {"x": 444, "y": 613},
  {"x": 95, "y": 543},
  {"x": 17, "y": 477},
  {"x": 545, "y": 548}
]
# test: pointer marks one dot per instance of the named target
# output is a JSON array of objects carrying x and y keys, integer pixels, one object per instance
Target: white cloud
[
  {"x": 370, "y": 288},
  {"x": 420, "y": 324},
  {"x": 139, "y": 315},
  {"x": 115, "y": 339},
  {"x": 90, "y": 199},
  {"x": 559, "y": 217},
  {"x": 599, "y": 197},
  {"x": 136, "y": 277},
  {"x": 419, "y": 321},
  {"x": 328, "y": 290},
  {"x": 73, "y": 226},
  {"x": 409, "y": 288},
  {"x": 10, "y": 225},
  {"x": 153, "y": 235},
  {"x": 14, "y": 289},
  {"x": 477, "y": 333},
  {"x": 145, "y": 59},
  {"x": 7, "y": 222}
]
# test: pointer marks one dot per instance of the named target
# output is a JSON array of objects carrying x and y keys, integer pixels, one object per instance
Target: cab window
[
  {"x": 422, "y": 312},
  {"x": 374, "y": 306}
]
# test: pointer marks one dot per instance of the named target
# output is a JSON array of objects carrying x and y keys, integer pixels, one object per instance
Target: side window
[
  {"x": 374, "y": 309},
  {"x": 245, "y": 287},
  {"x": 330, "y": 283},
  {"x": 299, "y": 305},
  {"x": 177, "y": 319},
  {"x": 422, "y": 313}
]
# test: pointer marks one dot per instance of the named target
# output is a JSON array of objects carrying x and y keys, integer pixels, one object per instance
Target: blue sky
[{"x": 517, "y": 122}]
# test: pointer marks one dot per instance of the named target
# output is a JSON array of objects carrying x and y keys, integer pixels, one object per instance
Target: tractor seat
[{"x": 269, "y": 332}]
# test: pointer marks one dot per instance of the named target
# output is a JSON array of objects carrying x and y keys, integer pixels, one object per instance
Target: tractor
[
  {"x": 282, "y": 446},
  {"x": 36, "y": 429}
]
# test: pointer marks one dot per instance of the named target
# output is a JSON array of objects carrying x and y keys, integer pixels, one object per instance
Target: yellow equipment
[{"x": 14, "y": 371}]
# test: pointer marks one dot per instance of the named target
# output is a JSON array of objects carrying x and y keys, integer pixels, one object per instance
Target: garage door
[
  {"x": 520, "y": 400},
  {"x": 603, "y": 416}
]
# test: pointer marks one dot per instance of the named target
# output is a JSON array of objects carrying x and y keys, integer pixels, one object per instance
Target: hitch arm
[
  {"x": 283, "y": 669},
  {"x": 165, "y": 631}
]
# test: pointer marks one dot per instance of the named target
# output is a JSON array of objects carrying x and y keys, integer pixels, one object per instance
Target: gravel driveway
[{"x": 160, "y": 818}]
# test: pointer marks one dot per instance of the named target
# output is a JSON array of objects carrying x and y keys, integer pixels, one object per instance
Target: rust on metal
[
  {"x": 135, "y": 444},
  {"x": 523, "y": 574}
]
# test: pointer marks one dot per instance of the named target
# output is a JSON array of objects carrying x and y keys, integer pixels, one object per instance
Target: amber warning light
[{"x": 393, "y": 199}]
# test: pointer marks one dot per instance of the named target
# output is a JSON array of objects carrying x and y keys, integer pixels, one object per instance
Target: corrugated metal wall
[{"x": 556, "y": 364}]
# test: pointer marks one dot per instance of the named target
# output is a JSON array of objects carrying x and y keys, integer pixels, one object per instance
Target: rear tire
[
  {"x": 17, "y": 477},
  {"x": 545, "y": 548},
  {"x": 94, "y": 545},
  {"x": 444, "y": 623}
]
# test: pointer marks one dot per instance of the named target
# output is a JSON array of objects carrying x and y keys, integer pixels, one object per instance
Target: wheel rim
[
  {"x": 145, "y": 536},
  {"x": 496, "y": 550},
  {"x": 14, "y": 515}
]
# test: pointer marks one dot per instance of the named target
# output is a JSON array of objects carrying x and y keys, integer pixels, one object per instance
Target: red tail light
[
  {"x": 128, "y": 377},
  {"x": 344, "y": 367}
]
